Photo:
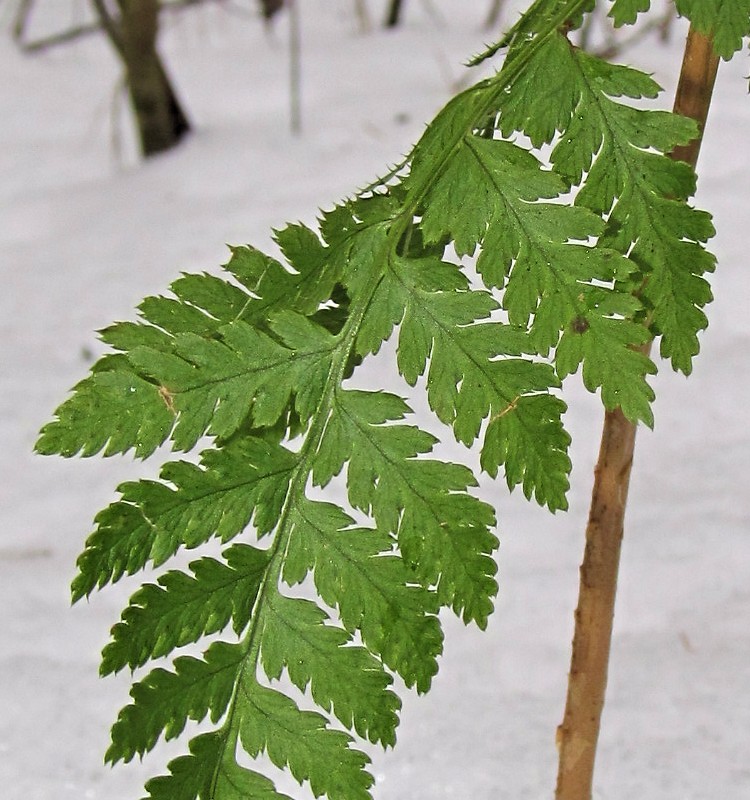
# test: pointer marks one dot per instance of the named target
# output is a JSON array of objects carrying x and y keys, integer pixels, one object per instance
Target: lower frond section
[
  {"x": 164, "y": 701},
  {"x": 343, "y": 678},
  {"x": 153, "y": 520},
  {"x": 302, "y": 742}
]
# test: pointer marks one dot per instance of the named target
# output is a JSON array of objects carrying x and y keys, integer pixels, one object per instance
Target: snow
[{"x": 87, "y": 231}]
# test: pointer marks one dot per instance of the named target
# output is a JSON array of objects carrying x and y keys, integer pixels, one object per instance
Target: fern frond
[
  {"x": 643, "y": 193},
  {"x": 535, "y": 250},
  {"x": 164, "y": 701},
  {"x": 625, "y": 12},
  {"x": 443, "y": 532},
  {"x": 302, "y": 742},
  {"x": 541, "y": 17},
  {"x": 581, "y": 257},
  {"x": 113, "y": 410},
  {"x": 476, "y": 373},
  {"x": 212, "y": 382},
  {"x": 194, "y": 776}
]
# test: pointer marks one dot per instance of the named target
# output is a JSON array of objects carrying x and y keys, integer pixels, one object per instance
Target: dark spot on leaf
[{"x": 579, "y": 325}]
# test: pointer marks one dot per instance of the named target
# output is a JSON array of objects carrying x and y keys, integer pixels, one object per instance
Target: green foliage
[
  {"x": 113, "y": 410},
  {"x": 727, "y": 21},
  {"x": 499, "y": 268},
  {"x": 625, "y": 12}
]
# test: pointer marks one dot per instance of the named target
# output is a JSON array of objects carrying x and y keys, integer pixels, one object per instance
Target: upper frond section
[
  {"x": 537, "y": 22},
  {"x": 726, "y": 21},
  {"x": 643, "y": 191},
  {"x": 492, "y": 195},
  {"x": 618, "y": 156}
]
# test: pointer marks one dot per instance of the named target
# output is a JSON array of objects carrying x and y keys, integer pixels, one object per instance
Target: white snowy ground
[{"x": 85, "y": 234}]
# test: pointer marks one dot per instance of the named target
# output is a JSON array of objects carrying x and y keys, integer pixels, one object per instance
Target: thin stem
[
  {"x": 694, "y": 91},
  {"x": 112, "y": 27},
  {"x": 579, "y": 731}
]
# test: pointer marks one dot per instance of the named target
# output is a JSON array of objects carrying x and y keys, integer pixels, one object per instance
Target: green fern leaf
[
  {"x": 443, "y": 532},
  {"x": 212, "y": 383},
  {"x": 113, "y": 410},
  {"x": 528, "y": 438},
  {"x": 345, "y": 679},
  {"x": 273, "y": 287},
  {"x": 194, "y": 344},
  {"x": 625, "y": 12},
  {"x": 544, "y": 80},
  {"x": 153, "y": 520},
  {"x": 727, "y": 21},
  {"x": 265, "y": 286},
  {"x": 181, "y": 609},
  {"x": 468, "y": 380},
  {"x": 302, "y": 742},
  {"x": 356, "y": 571},
  {"x": 207, "y": 773},
  {"x": 191, "y": 776},
  {"x": 585, "y": 249},
  {"x": 526, "y": 247},
  {"x": 607, "y": 349},
  {"x": 643, "y": 193},
  {"x": 164, "y": 701}
]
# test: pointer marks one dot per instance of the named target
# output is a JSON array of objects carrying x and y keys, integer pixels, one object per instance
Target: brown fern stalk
[{"x": 578, "y": 734}]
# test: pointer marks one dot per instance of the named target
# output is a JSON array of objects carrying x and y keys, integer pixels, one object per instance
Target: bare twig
[
  {"x": 23, "y": 12},
  {"x": 492, "y": 20},
  {"x": 75, "y": 32},
  {"x": 111, "y": 26},
  {"x": 295, "y": 67},
  {"x": 394, "y": 13},
  {"x": 363, "y": 16}
]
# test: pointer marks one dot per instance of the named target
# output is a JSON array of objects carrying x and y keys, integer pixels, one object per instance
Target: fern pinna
[{"x": 573, "y": 250}]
